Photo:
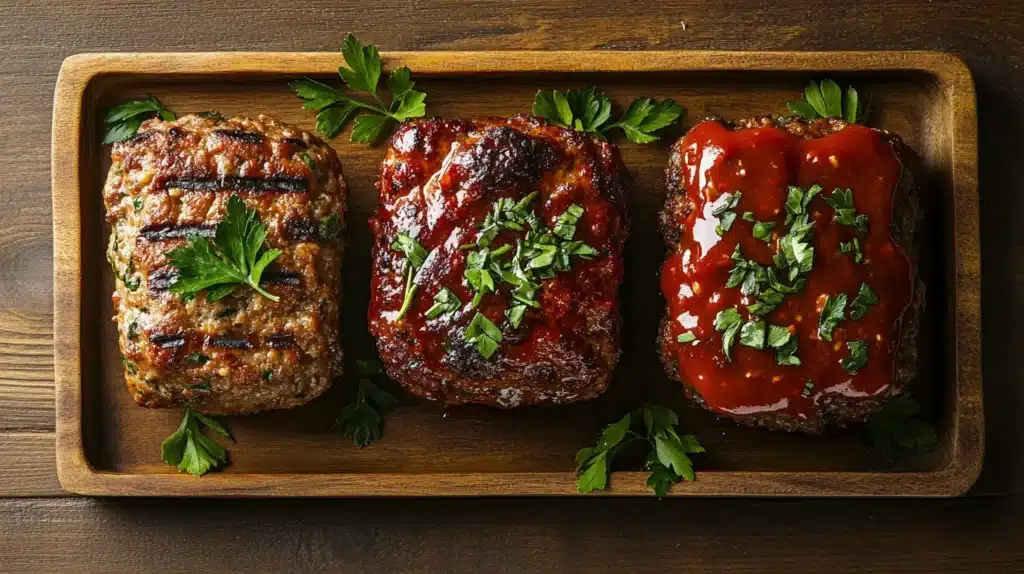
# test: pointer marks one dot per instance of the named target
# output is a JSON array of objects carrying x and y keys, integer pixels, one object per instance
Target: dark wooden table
[{"x": 41, "y": 529}]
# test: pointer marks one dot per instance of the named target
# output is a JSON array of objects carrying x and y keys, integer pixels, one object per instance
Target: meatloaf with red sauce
[
  {"x": 497, "y": 260},
  {"x": 243, "y": 353},
  {"x": 791, "y": 285}
]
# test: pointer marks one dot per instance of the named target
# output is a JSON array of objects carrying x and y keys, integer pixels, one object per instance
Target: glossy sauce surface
[{"x": 761, "y": 163}]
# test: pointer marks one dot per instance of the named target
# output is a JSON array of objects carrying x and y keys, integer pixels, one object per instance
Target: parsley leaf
[
  {"x": 898, "y": 426},
  {"x": 123, "y": 120},
  {"x": 587, "y": 111},
  {"x": 415, "y": 256},
  {"x": 668, "y": 459},
  {"x": 362, "y": 420},
  {"x": 329, "y": 228},
  {"x": 484, "y": 333},
  {"x": 687, "y": 337},
  {"x": 362, "y": 75},
  {"x": 785, "y": 353},
  {"x": 852, "y": 247},
  {"x": 722, "y": 209},
  {"x": 514, "y": 314},
  {"x": 445, "y": 302},
  {"x": 825, "y": 99},
  {"x": 192, "y": 451},
  {"x": 752, "y": 334},
  {"x": 858, "y": 357},
  {"x": 240, "y": 257},
  {"x": 864, "y": 299},
  {"x": 845, "y": 213},
  {"x": 831, "y": 314},
  {"x": 730, "y": 322},
  {"x": 763, "y": 230}
]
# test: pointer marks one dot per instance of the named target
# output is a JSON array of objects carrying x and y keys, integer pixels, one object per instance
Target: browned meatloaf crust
[
  {"x": 438, "y": 181},
  {"x": 243, "y": 353},
  {"x": 833, "y": 410}
]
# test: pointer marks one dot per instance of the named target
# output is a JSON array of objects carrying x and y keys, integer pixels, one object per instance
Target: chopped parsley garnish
[
  {"x": 785, "y": 353},
  {"x": 514, "y": 314},
  {"x": 746, "y": 274},
  {"x": 329, "y": 228},
  {"x": 668, "y": 458},
  {"x": 123, "y": 120},
  {"x": 211, "y": 116},
  {"x": 445, "y": 302},
  {"x": 748, "y": 216},
  {"x": 415, "y": 256},
  {"x": 778, "y": 337},
  {"x": 845, "y": 212},
  {"x": 267, "y": 375},
  {"x": 129, "y": 365},
  {"x": 587, "y": 111},
  {"x": 687, "y": 337},
  {"x": 363, "y": 73},
  {"x": 864, "y": 299},
  {"x": 763, "y": 230},
  {"x": 898, "y": 426},
  {"x": 190, "y": 449},
  {"x": 723, "y": 211},
  {"x": 752, "y": 334},
  {"x": 767, "y": 301},
  {"x": 825, "y": 99},
  {"x": 484, "y": 333},
  {"x": 808, "y": 388},
  {"x": 831, "y": 314},
  {"x": 133, "y": 330},
  {"x": 197, "y": 358},
  {"x": 137, "y": 203},
  {"x": 852, "y": 247},
  {"x": 239, "y": 259},
  {"x": 797, "y": 200},
  {"x": 362, "y": 420},
  {"x": 858, "y": 357},
  {"x": 729, "y": 322}
]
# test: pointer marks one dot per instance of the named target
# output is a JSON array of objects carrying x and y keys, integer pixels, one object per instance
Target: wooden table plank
[{"x": 28, "y": 467}]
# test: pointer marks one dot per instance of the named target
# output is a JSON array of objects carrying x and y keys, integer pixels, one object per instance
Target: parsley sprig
[
  {"x": 668, "y": 460},
  {"x": 415, "y": 256},
  {"x": 335, "y": 109},
  {"x": 190, "y": 449},
  {"x": 362, "y": 420},
  {"x": 235, "y": 257},
  {"x": 587, "y": 111},
  {"x": 123, "y": 120},
  {"x": 899, "y": 427},
  {"x": 826, "y": 99}
]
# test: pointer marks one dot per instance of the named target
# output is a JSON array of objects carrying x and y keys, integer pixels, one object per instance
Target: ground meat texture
[
  {"x": 243, "y": 353},
  {"x": 761, "y": 157},
  {"x": 438, "y": 181}
]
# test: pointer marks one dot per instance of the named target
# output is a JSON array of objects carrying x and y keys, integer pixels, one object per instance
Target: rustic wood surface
[{"x": 48, "y": 532}]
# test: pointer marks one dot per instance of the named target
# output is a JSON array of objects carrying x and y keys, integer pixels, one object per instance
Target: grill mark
[
  {"x": 300, "y": 229},
  {"x": 168, "y": 341},
  {"x": 230, "y": 343},
  {"x": 280, "y": 278},
  {"x": 239, "y": 135},
  {"x": 295, "y": 142},
  {"x": 281, "y": 341},
  {"x": 167, "y": 231},
  {"x": 251, "y": 184},
  {"x": 161, "y": 279}
]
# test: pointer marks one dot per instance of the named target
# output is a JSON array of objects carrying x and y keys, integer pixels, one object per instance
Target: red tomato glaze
[{"x": 761, "y": 163}]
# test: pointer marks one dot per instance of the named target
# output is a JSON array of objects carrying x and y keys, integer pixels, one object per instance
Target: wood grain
[
  {"x": 524, "y": 535},
  {"x": 930, "y": 102}
]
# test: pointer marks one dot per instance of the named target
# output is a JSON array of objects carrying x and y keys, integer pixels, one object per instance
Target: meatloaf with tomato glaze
[
  {"x": 541, "y": 210},
  {"x": 742, "y": 213},
  {"x": 243, "y": 353}
]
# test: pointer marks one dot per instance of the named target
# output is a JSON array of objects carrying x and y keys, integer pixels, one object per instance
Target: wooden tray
[{"x": 108, "y": 446}]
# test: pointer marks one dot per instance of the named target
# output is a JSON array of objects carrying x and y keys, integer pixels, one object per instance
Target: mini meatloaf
[
  {"x": 497, "y": 260},
  {"x": 243, "y": 353},
  {"x": 791, "y": 285}
]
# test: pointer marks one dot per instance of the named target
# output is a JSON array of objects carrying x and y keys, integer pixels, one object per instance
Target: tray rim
[{"x": 77, "y": 475}]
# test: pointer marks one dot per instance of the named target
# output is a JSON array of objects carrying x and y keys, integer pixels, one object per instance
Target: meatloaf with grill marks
[
  {"x": 438, "y": 182},
  {"x": 761, "y": 157},
  {"x": 243, "y": 353}
]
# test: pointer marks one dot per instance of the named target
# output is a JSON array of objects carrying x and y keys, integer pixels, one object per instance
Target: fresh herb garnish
[
  {"x": 190, "y": 449},
  {"x": 329, "y": 228},
  {"x": 133, "y": 330},
  {"x": 211, "y": 116},
  {"x": 858, "y": 357},
  {"x": 137, "y": 203},
  {"x": 853, "y": 247},
  {"x": 763, "y": 230},
  {"x": 484, "y": 333},
  {"x": 123, "y": 120},
  {"x": 832, "y": 313},
  {"x": 723, "y": 211},
  {"x": 240, "y": 257},
  {"x": 729, "y": 322},
  {"x": 687, "y": 337},
  {"x": 798, "y": 199},
  {"x": 415, "y": 256},
  {"x": 785, "y": 353},
  {"x": 445, "y": 302},
  {"x": 668, "y": 459},
  {"x": 864, "y": 299},
  {"x": 362, "y": 420},
  {"x": 335, "y": 108},
  {"x": 752, "y": 334},
  {"x": 129, "y": 365},
  {"x": 827, "y": 100},
  {"x": 515, "y": 314},
  {"x": 842, "y": 203},
  {"x": 897, "y": 426},
  {"x": 808, "y": 388},
  {"x": 197, "y": 358},
  {"x": 746, "y": 274},
  {"x": 587, "y": 111}
]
